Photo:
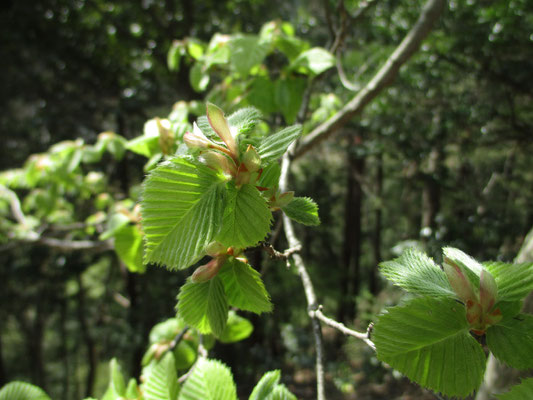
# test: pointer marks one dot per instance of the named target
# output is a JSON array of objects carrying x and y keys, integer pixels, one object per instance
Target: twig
[
  {"x": 342, "y": 328},
  {"x": 72, "y": 245},
  {"x": 307, "y": 284},
  {"x": 382, "y": 79},
  {"x": 273, "y": 253},
  {"x": 178, "y": 338}
]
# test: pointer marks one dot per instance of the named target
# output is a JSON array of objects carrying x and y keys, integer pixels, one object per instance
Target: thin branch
[
  {"x": 342, "y": 328},
  {"x": 73, "y": 245},
  {"x": 285, "y": 255},
  {"x": 382, "y": 79}
]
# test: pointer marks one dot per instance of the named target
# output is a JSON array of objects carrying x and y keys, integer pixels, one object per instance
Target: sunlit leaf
[
  {"x": 210, "y": 380},
  {"x": 511, "y": 341},
  {"x": 303, "y": 210}
]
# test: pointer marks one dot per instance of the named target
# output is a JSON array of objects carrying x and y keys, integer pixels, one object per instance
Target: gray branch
[{"x": 382, "y": 79}]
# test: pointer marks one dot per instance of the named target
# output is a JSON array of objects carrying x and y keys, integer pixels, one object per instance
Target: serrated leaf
[
  {"x": 416, "y": 273},
  {"x": 237, "y": 329},
  {"x": 274, "y": 146},
  {"x": 181, "y": 210},
  {"x": 247, "y": 51},
  {"x": 22, "y": 391},
  {"x": 265, "y": 386},
  {"x": 281, "y": 392},
  {"x": 514, "y": 281},
  {"x": 244, "y": 287},
  {"x": 523, "y": 391},
  {"x": 210, "y": 380},
  {"x": 314, "y": 61},
  {"x": 162, "y": 381},
  {"x": 270, "y": 176},
  {"x": 428, "y": 340},
  {"x": 511, "y": 341},
  {"x": 246, "y": 218},
  {"x": 303, "y": 210},
  {"x": 129, "y": 248},
  {"x": 244, "y": 119},
  {"x": 204, "y": 305}
]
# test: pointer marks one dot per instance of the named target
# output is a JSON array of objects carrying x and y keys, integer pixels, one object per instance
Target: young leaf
[
  {"x": 246, "y": 52},
  {"x": 22, "y": 391},
  {"x": 184, "y": 355},
  {"x": 523, "y": 391},
  {"x": 181, "y": 212},
  {"x": 246, "y": 218},
  {"x": 470, "y": 266},
  {"x": 244, "y": 287},
  {"x": 281, "y": 392},
  {"x": 274, "y": 146},
  {"x": 244, "y": 119},
  {"x": 210, "y": 380},
  {"x": 129, "y": 247},
  {"x": 514, "y": 281},
  {"x": 162, "y": 381},
  {"x": 270, "y": 176},
  {"x": 511, "y": 341},
  {"x": 428, "y": 340},
  {"x": 416, "y": 273},
  {"x": 303, "y": 210},
  {"x": 220, "y": 125},
  {"x": 265, "y": 386},
  {"x": 132, "y": 390},
  {"x": 117, "y": 380},
  {"x": 237, "y": 329},
  {"x": 204, "y": 305}
]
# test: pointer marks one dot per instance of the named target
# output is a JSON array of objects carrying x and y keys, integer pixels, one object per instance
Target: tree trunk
[
  {"x": 376, "y": 239},
  {"x": 3, "y": 377},
  {"x": 87, "y": 338},
  {"x": 350, "y": 275},
  {"x": 64, "y": 349}
]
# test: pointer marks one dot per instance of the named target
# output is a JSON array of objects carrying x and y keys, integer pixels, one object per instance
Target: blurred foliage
[{"x": 452, "y": 137}]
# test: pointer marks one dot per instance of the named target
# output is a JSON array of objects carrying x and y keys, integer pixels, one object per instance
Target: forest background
[{"x": 441, "y": 157}]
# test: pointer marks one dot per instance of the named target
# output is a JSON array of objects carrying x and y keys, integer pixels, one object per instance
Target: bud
[
  {"x": 251, "y": 159},
  {"x": 196, "y": 138},
  {"x": 213, "y": 249},
  {"x": 166, "y": 136},
  {"x": 459, "y": 282},
  {"x": 208, "y": 271},
  {"x": 219, "y": 161},
  {"x": 487, "y": 291},
  {"x": 216, "y": 119}
]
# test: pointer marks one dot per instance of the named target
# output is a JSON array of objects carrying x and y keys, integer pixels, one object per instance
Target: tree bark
[
  {"x": 376, "y": 238},
  {"x": 350, "y": 277},
  {"x": 87, "y": 338}
]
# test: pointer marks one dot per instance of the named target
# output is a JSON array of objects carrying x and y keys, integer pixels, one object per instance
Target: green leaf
[
  {"x": 181, "y": 210},
  {"x": 144, "y": 145},
  {"x": 244, "y": 120},
  {"x": 428, "y": 340},
  {"x": 174, "y": 57},
  {"x": 198, "y": 77},
  {"x": 511, "y": 341},
  {"x": 274, "y": 146},
  {"x": 270, "y": 176},
  {"x": 416, "y": 273},
  {"x": 162, "y": 380},
  {"x": 17, "y": 390},
  {"x": 204, "y": 305},
  {"x": 129, "y": 247},
  {"x": 247, "y": 51},
  {"x": 132, "y": 390},
  {"x": 114, "y": 225},
  {"x": 281, "y": 392},
  {"x": 210, "y": 380},
  {"x": 303, "y": 210},
  {"x": 314, "y": 61},
  {"x": 237, "y": 329},
  {"x": 184, "y": 355},
  {"x": 247, "y": 218},
  {"x": 265, "y": 386},
  {"x": 262, "y": 94},
  {"x": 165, "y": 330},
  {"x": 289, "y": 93},
  {"x": 523, "y": 391},
  {"x": 244, "y": 287},
  {"x": 117, "y": 380},
  {"x": 514, "y": 281}
]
